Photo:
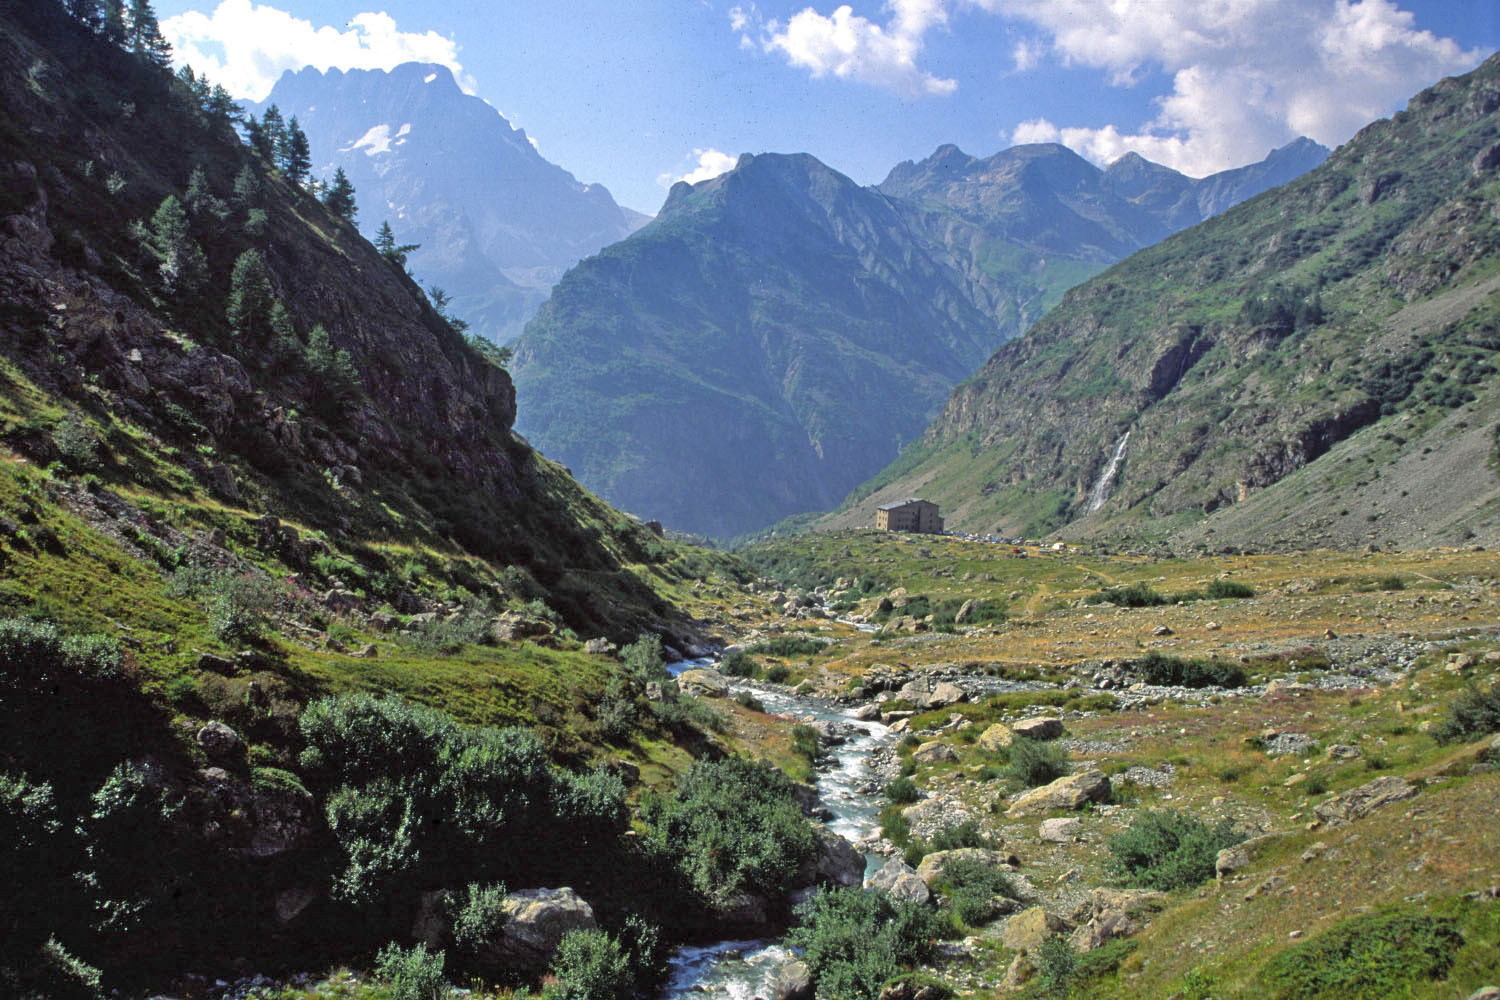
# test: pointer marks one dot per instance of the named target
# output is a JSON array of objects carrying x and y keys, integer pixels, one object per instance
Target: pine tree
[
  {"x": 250, "y": 296},
  {"x": 200, "y": 198},
  {"x": 246, "y": 185},
  {"x": 258, "y": 139},
  {"x": 113, "y": 28},
  {"x": 145, "y": 34},
  {"x": 293, "y": 152},
  {"x": 385, "y": 242},
  {"x": 221, "y": 106},
  {"x": 285, "y": 345},
  {"x": 332, "y": 369},
  {"x": 180, "y": 260},
  {"x": 274, "y": 130},
  {"x": 340, "y": 196},
  {"x": 87, "y": 12}
]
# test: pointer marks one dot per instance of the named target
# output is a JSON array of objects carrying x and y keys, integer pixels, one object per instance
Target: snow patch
[
  {"x": 429, "y": 78},
  {"x": 377, "y": 140}
]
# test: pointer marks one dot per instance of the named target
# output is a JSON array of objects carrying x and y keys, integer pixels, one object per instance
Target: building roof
[{"x": 903, "y": 503}]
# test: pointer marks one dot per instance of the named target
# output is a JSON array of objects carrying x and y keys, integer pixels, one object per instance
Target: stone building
[{"x": 911, "y": 514}]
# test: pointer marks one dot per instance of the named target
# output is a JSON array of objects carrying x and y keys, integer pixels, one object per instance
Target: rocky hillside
[
  {"x": 496, "y": 223},
  {"x": 780, "y": 332},
  {"x": 1315, "y": 365}
]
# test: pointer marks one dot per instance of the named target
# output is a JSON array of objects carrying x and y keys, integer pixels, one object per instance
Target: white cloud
[
  {"x": 246, "y": 46},
  {"x": 1247, "y": 75},
  {"x": 711, "y": 163},
  {"x": 848, "y": 46}
]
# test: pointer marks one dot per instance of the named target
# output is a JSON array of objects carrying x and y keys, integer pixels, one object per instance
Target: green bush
[
  {"x": 748, "y": 700},
  {"x": 643, "y": 659},
  {"x": 237, "y": 603},
  {"x": 738, "y": 665},
  {"x": 903, "y": 791},
  {"x": 1377, "y": 955},
  {"x": 854, "y": 941},
  {"x": 1220, "y": 590},
  {"x": 479, "y": 916},
  {"x": 731, "y": 826},
  {"x": 591, "y": 965},
  {"x": 416, "y": 974},
  {"x": 1167, "y": 849},
  {"x": 1473, "y": 713},
  {"x": 1057, "y": 965},
  {"x": 788, "y": 646},
  {"x": 1035, "y": 763},
  {"x": 970, "y": 886},
  {"x": 449, "y": 634},
  {"x": 776, "y": 673},
  {"x": 1136, "y": 595},
  {"x": 1175, "y": 671}
]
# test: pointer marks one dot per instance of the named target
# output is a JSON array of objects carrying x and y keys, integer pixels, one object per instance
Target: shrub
[
  {"x": 788, "y": 646},
  {"x": 1378, "y": 955},
  {"x": 903, "y": 791},
  {"x": 965, "y": 834},
  {"x": 1136, "y": 595},
  {"x": 805, "y": 742},
  {"x": 479, "y": 916},
  {"x": 643, "y": 659},
  {"x": 731, "y": 826},
  {"x": 591, "y": 965},
  {"x": 1174, "y": 671},
  {"x": 776, "y": 673},
  {"x": 416, "y": 974},
  {"x": 1167, "y": 849},
  {"x": 971, "y": 885},
  {"x": 1473, "y": 713},
  {"x": 747, "y": 699},
  {"x": 1223, "y": 589},
  {"x": 1034, "y": 762},
  {"x": 738, "y": 665},
  {"x": 1390, "y": 583},
  {"x": 76, "y": 443},
  {"x": 1057, "y": 965},
  {"x": 853, "y": 941},
  {"x": 449, "y": 634}
]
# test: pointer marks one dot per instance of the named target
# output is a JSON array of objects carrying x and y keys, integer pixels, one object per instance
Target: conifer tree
[
  {"x": 332, "y": 369},
  {"x": 293, "y": 152},
  {"x": 285, "y": 345},
  {"x": 385, "y": 242},
  {"x": 340, "y": 196},
  {"x": 145, "y": 34},
  {"x": 274, "y": 129},
  {"x": 113, "y": 28},
  {"x": 250, "y": 296},
  {"x": 180, "y": 260},
  {"x": 199, "y": 196},
  {"x": 246, "y": 185},
  {"x": 221, "y": 105},
  {"x": 258, "y": 139},
  {"x": 87, "y": 12}
]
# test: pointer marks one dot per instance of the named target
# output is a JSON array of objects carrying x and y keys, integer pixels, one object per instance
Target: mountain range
[
  {"x": 1316, "y": 365},
  {"x": 778, "y": 333},
  {"x": 496, "y": 223}
]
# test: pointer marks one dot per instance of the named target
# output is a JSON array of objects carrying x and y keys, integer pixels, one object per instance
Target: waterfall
[{"x": 1107, "y": 477}]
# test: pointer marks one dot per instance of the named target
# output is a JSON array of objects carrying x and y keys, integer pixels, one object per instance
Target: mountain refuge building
[{"x": 911, "y": 514}]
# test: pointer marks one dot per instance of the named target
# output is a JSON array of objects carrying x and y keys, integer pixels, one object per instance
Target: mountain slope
[
  {"x": 747, "y": 329},
  {"x": 780, "y": 332},
  {"x": 1236, "y": 353},
  {"x": 496, "y": 222}
]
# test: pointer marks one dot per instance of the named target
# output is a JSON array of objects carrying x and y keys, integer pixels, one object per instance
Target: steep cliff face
[
  {"x": 111, "y": 308},
  {"x": 775, "y": 334},
  {"x": 1246, "y": 348},
  {"x": 497, "y": 224}
]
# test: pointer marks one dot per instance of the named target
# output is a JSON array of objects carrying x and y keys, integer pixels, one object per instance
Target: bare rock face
[
  {"x": 901, "y": 882},
  {"x": 1071, "y": 792},
  {"x": 836, "y": 861},
  {"x": 1360, "y": 802}
]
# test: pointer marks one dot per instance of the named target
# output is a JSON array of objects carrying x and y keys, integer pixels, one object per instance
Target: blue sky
[{"x": 635, "y": 94}]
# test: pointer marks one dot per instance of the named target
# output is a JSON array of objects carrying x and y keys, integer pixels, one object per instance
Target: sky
[{"x": 637, "y": 94}]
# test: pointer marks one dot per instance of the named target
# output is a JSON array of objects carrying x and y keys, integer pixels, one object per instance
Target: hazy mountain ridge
[
  {"x": 1242, "y": 350},
  {"x": 497, "y": 223},
  {"x": 779, "y": 331}
]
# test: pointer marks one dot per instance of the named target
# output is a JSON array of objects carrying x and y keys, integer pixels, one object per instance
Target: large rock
[
  {"x": 899, "y": 881},
  {"x": 1111, "y": 913},
  {"x": 793, "y": 982},
  {"x": 512, "y": 626},
  {"x": 708, "y": 683},
  {"x": 934, "y": 752},
  {"x": 1026, "y": 931},
  {"x": 930, "y": 871},
  {"x": 1072, "y": 792},
  {"x": 1059, "y": 830},
  {"x": 1038, "y": 729},
  {"x": 997, "y": 737},
  {"x": 835, "y": 860},
  {"x": 535, "y": 922},
  {"x": 1360, "y": 802},
  {"x": 945, "y": 694},
  {"x": 219, "y": 740}
]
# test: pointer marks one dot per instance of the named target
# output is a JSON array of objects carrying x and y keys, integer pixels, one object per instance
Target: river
[{"x": 741, "y": 970}]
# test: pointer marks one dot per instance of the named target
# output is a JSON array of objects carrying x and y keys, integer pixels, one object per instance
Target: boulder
[
  {"x": 997, "y": 737},
  {"x": 291, "y": 903},
  {"x": 1230, "y": 860},
  {"x": 899, "y": 881},
  {"x": 1360, "y": 802},
  {"x": 339, "y": 601},
  {"x": 600, "y": 647},
  {"x": 1026, "y": 931},
  {"x": 965, "y": 612},
  {"x": 708, "y": 683},
  {"x": 1072, "y": 792},
  {"x": 945, "y": 694},
  {"x": 933, "y": 752},
  {"x": 512, "y": 626},
  {"x": 1038, "y": 729},
  {"x": 219, "y": 740},
  {"x": 384, "y": 621},
  {"x": 835, "y": 860},
  {"x": 1111, "y": 913},
  {"x": 868, "y": 713},
  {"x": 747, "y": 912},
  {"x": 535, "y": 922},
  {"x": 1060, "y": 830},
  {"x": 930, "y": 871},
  {"x": 793, "y": 982}
]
